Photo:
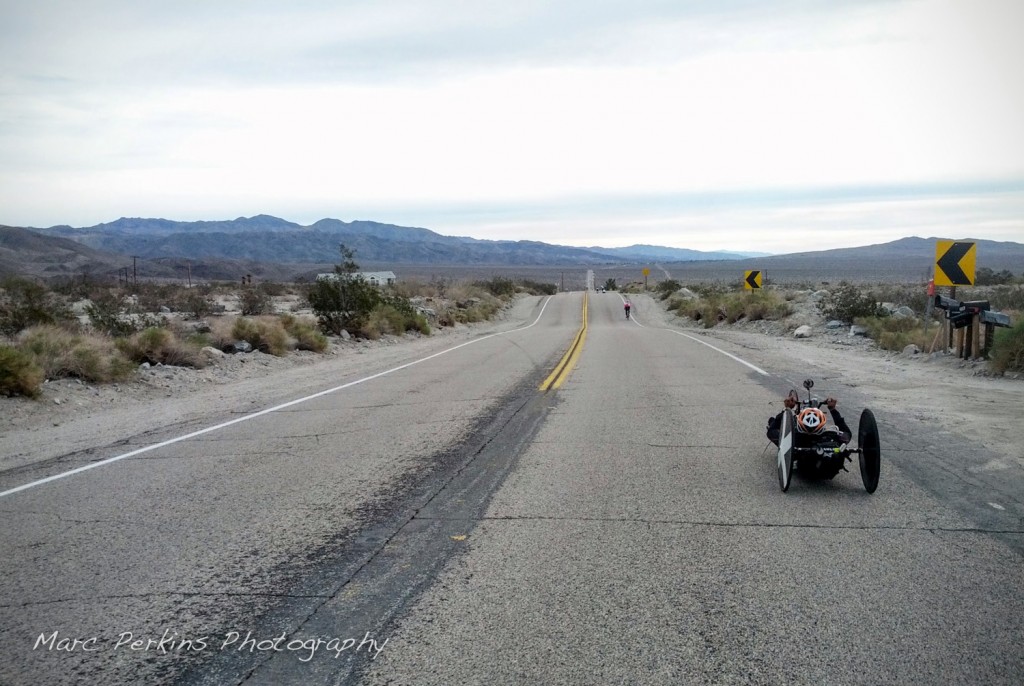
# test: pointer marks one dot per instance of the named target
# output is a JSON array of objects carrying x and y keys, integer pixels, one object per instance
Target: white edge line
[
  {"x": 247, "y": 417},
  {"x": 740, "y": 360},
  {"x": 694, "y": 338}
]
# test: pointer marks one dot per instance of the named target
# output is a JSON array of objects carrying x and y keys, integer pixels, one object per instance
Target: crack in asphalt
[{"x": 752, "y": 525}]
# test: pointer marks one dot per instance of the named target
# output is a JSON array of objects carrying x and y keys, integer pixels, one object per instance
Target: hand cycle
[{"x": 824, "y": 454}]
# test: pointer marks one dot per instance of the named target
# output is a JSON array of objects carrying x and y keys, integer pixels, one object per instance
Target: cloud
[{"x": 234, "y": 108}]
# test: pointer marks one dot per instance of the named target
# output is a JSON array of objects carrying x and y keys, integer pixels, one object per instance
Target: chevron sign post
[
  {"x": 954, "y": 263},
  {"x": 752, "y": 280}
]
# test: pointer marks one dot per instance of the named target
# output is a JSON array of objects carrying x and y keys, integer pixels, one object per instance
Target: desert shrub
[
  {"x": 498, "y": 286},
  {"x": 110, "y": 313},
  {"x": 733, "y": 307},
  {"x": 25, "y": 303},
  {"x": 707, "y": 311},
  {"x": 610, "y": 285},
  {"x": 710, "y": 290},
  {"x": 158, "y": 345},
  {"x": 915, "y": 297},
  {"x": 892, "y": 333},
  {"x": 272, "y": 289},
  {"x": 305, "y": 333},
  {"x": 253, "y": 302},
  {"x": 150, "y": 297},
  {"x": 987, "y": 277},
  {"x": 19, "y": 373},
  {"x": 393, "y": 318},
  {"x": 847, "y": 302},
  {"x": 1007, "y": 354},
  {"x": 1006, "y": 298},
  {"x": 266, "y": 334},
  {"x": 197, "y": 305},
  {"x": 63, "y": 353},
  {"x": 343, "y": 301},
  {"x": 666, "y": 288},
  {"x": 537, "y": 287}
]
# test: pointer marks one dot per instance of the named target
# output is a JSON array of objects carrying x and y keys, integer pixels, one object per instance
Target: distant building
[{"x": 375, "y": 278}]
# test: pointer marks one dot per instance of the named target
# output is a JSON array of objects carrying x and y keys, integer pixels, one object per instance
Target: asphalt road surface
[{"x": 450, "y": 523}]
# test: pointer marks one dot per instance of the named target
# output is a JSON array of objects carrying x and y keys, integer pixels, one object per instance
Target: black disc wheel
[
  {"x": 870, "y": 451},
  {"x": 785, "y": 467}
]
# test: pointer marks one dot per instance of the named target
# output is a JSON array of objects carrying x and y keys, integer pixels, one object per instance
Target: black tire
[
  {"x": 785, "y": 461},
  {"x": 870, "y": 451}
]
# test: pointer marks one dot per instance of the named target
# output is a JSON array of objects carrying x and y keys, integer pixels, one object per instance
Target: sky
[{"x": 713, "y": 124}]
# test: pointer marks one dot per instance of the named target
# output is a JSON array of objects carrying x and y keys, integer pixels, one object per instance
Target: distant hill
[
  {"x": 269, "y": 239},
  {"x": 658, "y": 253},
  {"x": 274, "y": 249},
  {"x": 25, "y": 252},
  {"x": 905, "y": 259}
]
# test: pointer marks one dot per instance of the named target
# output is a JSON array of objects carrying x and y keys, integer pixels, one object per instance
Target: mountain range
[
  {"x": 270, "y": 248},
  {"x": 264, "y": 238}
]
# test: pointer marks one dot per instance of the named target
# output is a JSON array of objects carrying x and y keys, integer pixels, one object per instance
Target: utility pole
[
  {"x": 135, "y": 272},
  {"x": 189, "y": 264}
]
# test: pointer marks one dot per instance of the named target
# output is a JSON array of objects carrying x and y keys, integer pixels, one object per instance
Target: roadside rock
[
  {"x": 857, "y": 330},
  {"x": 834, "y": 324},
  {"x": 802, "y": 332}
]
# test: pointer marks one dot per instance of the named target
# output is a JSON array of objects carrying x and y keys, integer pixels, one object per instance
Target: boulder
[
  {"x": 802, "y": 332},
  {"x": 238, "y": 347},
  {"x": 888, "y": 307},
  {"x": 903, "y": 312},
  {"x": 345, "y": 335},
  {"x": 164, "y": 309},
  {"x": 212, "y": 352},
  {"x": 911, "y": 350},
  {"x": 857, "y": 330},
  {"x": 818, "y": 295},
  {"x": 834, "y": 324}
]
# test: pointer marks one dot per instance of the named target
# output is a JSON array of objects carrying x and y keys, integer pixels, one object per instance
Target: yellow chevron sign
[
  {"x": 954, "y": 263},
  {"x": 752, "y": 280}
]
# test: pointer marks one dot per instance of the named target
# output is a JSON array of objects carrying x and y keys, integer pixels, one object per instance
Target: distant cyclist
[{"x": 627, "y": 307}]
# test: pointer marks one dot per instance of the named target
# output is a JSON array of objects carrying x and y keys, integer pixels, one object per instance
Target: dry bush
[
  {"x": 305, "y": 332},
  {"x": 389, "y": 319},
  {"x": 25, "y": 303},
  {"x": 19, "y": 374},
  {"x": 732, "y": 307},
  {"x": 892, "y": 333},
  {"x": 1007, "y": 353},
  {"x": 266, "y": 334},
  {"x": 158, "y": 345},
  {"x": 87, "y": 356},
  {"x": 221, "y": 334}
]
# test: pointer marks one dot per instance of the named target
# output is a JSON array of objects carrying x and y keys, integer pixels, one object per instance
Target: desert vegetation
[
  {"x": 98, "y": 332},
  {"x": 894, "y": 316}
]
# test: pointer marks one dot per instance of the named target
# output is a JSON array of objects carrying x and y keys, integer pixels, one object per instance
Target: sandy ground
[{"x": 72, "y": 416}]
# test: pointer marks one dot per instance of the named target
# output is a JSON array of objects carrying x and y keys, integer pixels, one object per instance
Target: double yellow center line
[{"x": 568, "y": 361}]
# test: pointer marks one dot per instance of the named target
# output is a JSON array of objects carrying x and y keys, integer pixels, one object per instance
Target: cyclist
[
  {"x": 814, "y": 416},
  {"x": 627, "y": 307}
]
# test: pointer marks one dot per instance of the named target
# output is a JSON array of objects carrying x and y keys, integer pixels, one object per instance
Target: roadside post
[{"x": 646, "y": 272}]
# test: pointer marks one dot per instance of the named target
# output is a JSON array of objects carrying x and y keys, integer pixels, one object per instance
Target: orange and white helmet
[{"x": 810, "y": 421}]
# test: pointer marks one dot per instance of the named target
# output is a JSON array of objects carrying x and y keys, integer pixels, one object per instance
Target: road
[{"x": 450, "y": 523}]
